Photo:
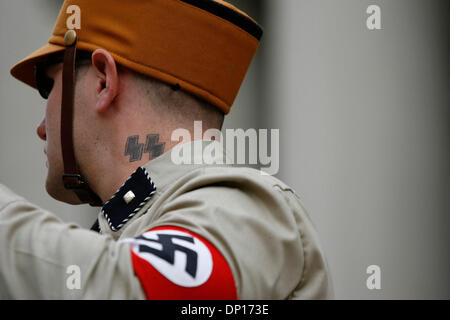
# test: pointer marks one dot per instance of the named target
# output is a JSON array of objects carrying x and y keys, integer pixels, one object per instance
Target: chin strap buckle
[
  {"x": 73, "y": 181},
  {"x": 77, "y": 184}
]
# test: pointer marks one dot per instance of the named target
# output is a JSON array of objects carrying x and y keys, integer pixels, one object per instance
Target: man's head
[
  {"x": 113, "y": 103},
  {"x": 155, "y": 66}
]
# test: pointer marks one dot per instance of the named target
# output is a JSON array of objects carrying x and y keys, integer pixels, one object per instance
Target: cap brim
[{"x": 24, "y": 70}]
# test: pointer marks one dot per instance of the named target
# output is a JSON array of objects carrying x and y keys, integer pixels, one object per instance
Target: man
[{"x": 120, "y": 79}]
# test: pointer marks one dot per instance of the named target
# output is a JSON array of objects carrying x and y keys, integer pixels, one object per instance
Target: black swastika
[{"x": 169, "y": 248}]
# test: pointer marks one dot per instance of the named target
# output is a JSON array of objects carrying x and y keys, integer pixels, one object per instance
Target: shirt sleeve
[
  {"x": 43, "y": 258},
  {"x": 251, "y": 226},
  {"x": 174, "y": 263}
]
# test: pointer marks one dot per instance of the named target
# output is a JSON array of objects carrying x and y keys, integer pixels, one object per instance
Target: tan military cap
[{"x": 204, "y": 46}]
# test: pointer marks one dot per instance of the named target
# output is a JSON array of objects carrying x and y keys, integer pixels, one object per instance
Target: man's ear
[{"x": 107, "y": 83}]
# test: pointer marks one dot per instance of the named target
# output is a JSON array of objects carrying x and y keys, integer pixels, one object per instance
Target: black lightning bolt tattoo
[{"x": 134, "y": 149}]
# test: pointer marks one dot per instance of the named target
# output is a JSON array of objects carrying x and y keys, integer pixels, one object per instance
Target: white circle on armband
[{"x": 179, "y": 256}]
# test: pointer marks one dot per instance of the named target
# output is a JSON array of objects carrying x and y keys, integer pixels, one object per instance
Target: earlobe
[{"x": 107, "y": 79}]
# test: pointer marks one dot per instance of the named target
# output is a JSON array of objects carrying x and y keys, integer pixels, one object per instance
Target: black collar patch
[{"x": 129, "y": 199}]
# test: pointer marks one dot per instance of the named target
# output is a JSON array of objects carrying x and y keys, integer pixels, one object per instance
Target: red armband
[{"x": 176, "y": 264}]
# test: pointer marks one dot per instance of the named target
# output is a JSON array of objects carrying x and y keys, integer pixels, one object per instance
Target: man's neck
[{"x": 112, "y": 171}]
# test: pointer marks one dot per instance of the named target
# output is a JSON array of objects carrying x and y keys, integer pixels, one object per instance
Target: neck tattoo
[{"x": 135, "y": 150}]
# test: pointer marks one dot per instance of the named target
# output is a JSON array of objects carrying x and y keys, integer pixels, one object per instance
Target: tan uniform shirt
[{"x": 255, "y": 221}]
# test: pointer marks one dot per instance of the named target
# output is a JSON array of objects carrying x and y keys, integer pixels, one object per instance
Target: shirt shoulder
[{"x": 249, "y": 217}]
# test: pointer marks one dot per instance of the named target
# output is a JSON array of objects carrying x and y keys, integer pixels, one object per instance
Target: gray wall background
[{"x": 364, "y": 129}]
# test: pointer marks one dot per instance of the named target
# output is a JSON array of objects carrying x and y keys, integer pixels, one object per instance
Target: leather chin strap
[{"x": 72, "y": 178}]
